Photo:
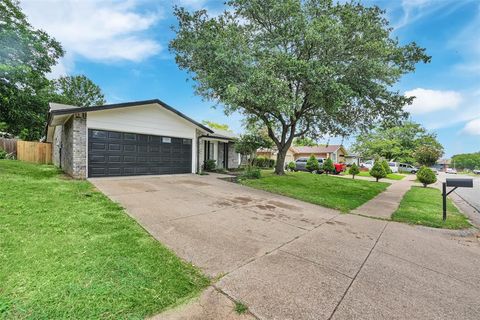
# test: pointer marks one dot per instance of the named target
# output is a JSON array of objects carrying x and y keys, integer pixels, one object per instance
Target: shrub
[
  {"x": 426, "y": 176},
  {"x": 263, "y": 162},
  {"x": 291, "y": 166},
  {"x": 377, "y": 171},
  {"x": 312, "y": 164},
  {"x": 328, "y": 166},
  {"x": 251, "y": 172},
  {"x": 354, "y": 170},
  {"x": 209, "y": 165},
  {"x": 3, "y": 154},
  {"x": 386, "y": 167}
]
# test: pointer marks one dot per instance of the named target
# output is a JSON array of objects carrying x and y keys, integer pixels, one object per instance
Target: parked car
[
  {"x": 451, "y": 171},
  {"x": 367, "y": 164},
  {"x": 435, "y": 170},
  {"x": 476, "y": 171},
  {"x": 393, "y": 166},
  {"x": 408, "y": 168},
  {"x": 301, "y": 164}
]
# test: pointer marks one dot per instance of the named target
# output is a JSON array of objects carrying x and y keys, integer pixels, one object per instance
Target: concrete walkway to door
[{"x": 286, "y": 259}]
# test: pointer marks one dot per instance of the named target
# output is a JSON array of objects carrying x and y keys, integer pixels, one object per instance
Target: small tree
[
  {"x": 426, "y": 176},
  {"x": 377, "y": 171},
  {"x": 328, "y": 166},
  {"x": 427, "y": 155},
  {"x": 248, "y": 144},
  {"x": 354, "y": 170},
  {"x": 312, "y": 164},
  {"x": 291, "y": 166},
  {"x": 386, "y": 167}
]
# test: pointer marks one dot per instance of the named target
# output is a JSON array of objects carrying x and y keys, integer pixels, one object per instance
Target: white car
[
  {"x": 407, "y": 168},
  {"x": 435, "y": 170},
  {"x": 367, "y": 164},
  {"x": 451, "y": 170},
  {"x": 393, "y": 166}
]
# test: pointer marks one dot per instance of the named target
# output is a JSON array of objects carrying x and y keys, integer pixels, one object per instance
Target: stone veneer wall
[
  {"x": 73, "y": 147},
  {"x": 56, "y": 146},
  {"x": 200, "y": 154},
  {"x": 232, "y": 156}
]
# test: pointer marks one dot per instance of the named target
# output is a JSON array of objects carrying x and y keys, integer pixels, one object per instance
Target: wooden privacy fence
[
  {"x": 37, "y": 152},
  {"x": 9, "y": 145}
]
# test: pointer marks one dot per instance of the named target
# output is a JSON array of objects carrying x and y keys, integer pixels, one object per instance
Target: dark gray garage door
[{"x": 112, "y": 153}]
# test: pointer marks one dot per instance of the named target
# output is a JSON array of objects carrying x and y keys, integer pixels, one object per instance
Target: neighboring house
[
  {"x": 352, "y": 158},
  {"x": 134, "y": 138},
  {"x": 443, "y": 164},
  {"x": 337, "y": 153},
  {"x": 272, "y": 154}
]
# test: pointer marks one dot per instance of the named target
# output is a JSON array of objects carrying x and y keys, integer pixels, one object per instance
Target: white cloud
[
  {"x": 472, "y": 127},
  {"x": 432, "y": 100},
  {"x": 414, "y": 10},
  {"x": 97, "y": 30},
  {"x": 194, "y": 4}
]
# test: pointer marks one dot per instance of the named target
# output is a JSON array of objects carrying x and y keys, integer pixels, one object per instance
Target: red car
[{"x": 339, "y": 167}]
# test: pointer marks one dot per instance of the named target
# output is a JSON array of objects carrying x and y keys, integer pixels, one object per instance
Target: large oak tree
[{"x": 303, "y": 68}]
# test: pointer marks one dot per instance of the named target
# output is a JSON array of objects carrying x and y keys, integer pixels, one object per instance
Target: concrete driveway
[{"x": 286, "y": 259}]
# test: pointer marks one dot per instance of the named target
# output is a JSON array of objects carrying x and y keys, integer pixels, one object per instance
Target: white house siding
[{"x": 149, "y": 119}]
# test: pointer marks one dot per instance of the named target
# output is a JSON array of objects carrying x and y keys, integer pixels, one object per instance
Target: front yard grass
[
  {"x": 332, "y": 192},
  {"x": 423, "y": 206},
  {"x": 67, "y": 251}
]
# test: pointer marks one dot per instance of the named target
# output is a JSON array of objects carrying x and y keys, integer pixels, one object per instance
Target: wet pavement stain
[
  {"x": 242, "y": 200},
  {"x": 265, "y": 207},
  {"x": 284, "y": 205}
]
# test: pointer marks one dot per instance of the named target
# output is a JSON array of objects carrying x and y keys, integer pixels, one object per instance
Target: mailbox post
[{"x": 455, "y": 183}]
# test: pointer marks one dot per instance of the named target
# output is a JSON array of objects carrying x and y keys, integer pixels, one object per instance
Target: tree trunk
[{"x": 280, "y": 164}]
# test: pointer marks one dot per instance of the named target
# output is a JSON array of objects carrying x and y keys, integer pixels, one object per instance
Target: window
[
  {"x": 187, "y": 141},
  {"x": 166, "y": 140}
]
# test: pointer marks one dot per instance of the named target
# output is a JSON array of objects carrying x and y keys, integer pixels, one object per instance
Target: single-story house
[
  {"x": 337, "y": 153},
  {"x": 134, "y": 138},
  {"x": 443, "y": 164},
  {"x": 272, "y": 154}
]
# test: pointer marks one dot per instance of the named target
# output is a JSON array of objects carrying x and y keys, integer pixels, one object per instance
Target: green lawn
[
  {"x": 423, "y": 206},
  {"x": 332, "y": 192},
  {"x": 67, "y": 251},
  {"x": 391, "y": 176}
]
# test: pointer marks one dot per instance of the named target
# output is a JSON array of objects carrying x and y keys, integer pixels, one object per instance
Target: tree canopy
[
  {"x": 304, "y": 142},
  {"x": 78, "y": 91},
  {"x": 26, "y": 56},
  {"x": 396, "y": 143},
  {"x": 216, "y": 125},
  {"x": 303, "y": 68},
  {"x": 467, "y": 160}
]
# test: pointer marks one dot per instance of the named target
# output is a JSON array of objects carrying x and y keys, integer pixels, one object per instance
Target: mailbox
[
  {"x": 459, "y": 182},
  {"x": 455, "y": 183}
]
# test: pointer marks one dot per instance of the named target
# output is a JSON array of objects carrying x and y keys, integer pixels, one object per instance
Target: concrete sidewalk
[{"x": 387, "y": 202}]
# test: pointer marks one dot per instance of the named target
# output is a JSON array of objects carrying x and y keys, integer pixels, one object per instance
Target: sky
[{"x": 123, "y": 47}]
